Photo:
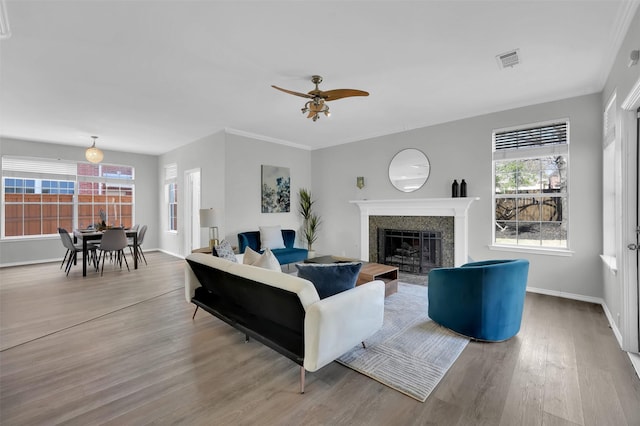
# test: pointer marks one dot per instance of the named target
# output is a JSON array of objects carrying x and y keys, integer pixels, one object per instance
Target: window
[
  {"x": 40, "y": 195},
  {"x": 530, "y": 169},
  {"x": 611, "y": 184},
  {"x": 170, "y": 175},
  {"x": 105, "y": 193}
]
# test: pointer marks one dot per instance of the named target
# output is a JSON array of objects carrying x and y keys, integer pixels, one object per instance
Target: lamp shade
[{"x": 207, "y": 218}]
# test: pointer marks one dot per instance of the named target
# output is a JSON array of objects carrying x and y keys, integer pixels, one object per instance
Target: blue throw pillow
[{"x": 331, "y": 278}]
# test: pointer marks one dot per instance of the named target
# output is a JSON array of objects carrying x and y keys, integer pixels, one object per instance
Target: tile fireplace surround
[{"x": 456, "y": 207}]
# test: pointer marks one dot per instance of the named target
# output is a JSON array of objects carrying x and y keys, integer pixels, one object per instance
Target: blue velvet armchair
[{"x": 481, "y": 300}]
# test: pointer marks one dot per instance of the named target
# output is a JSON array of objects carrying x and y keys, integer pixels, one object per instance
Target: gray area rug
[{"x": 411, "y": 353}]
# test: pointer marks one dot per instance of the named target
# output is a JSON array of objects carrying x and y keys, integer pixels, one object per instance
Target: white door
[
  {"x": 192, "y": 210},
  {"x": 630, "y": 244}
]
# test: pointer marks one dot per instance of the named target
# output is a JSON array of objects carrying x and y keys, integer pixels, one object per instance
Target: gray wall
[
  {"x": 462, "y": 150},
  {"x": 231, "y": 180},
  {"x": 621, "y": 79},
  {"x": 245, "y": 156},
  {"x": 50, "y": 248},
  {"x": 207, "y": 154}
]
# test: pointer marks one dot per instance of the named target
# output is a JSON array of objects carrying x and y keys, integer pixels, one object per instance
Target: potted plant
[{"x": 310, "y": 220}]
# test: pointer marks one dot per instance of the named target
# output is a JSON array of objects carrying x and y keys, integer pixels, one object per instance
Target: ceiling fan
[{"x": 318, "y": 97}]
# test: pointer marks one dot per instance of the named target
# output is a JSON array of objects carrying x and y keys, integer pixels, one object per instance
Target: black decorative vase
[
  {"x": 454, "y": 189},
  {"x": 463, "y": 188}
]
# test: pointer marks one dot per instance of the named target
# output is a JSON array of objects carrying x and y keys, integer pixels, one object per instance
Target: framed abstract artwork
[{"x": 276, "y": 189}]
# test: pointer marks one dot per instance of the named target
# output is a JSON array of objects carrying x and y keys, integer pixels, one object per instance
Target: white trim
[
  {"x": 612, "y": 323},
  {"x": 265, "y": 138},
  {"x": 565, "y": 295},
  {"x": 170, "y": 253},
  {"x": 620, "y": 28},
  {"x": 581, "y": 298},
  {"x": 456, "y": 207},
  {"x": 32, "y": 262},
  {"x": 628, "y": 280},
  {"x": 610, "y": 262},
  {"x": 533, "y": 249},
  {"x": 635, "y": 361},
  {"x": 633, "y": 98}
]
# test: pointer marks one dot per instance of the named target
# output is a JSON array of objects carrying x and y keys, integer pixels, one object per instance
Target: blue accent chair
[
  {"x": 481, "y": 300},
  {"x": 286, "y": 255}
]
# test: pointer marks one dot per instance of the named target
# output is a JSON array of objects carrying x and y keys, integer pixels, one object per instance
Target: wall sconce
[
  {"x": 633, "y": 58},
  {"x": 208, "y": 220},
  {"x": 360, "y": 182}
]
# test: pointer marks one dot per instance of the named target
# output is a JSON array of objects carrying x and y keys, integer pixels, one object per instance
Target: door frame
[
  {"x": 630, "y": 328},
  {"x": 192, "y": 201}
]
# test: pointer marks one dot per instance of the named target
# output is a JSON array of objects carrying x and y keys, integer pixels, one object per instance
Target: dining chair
[
  {"x": 71, "y": 255},
  {"x": 141, "y": 233},
  {"x": 113, "y": 241}
]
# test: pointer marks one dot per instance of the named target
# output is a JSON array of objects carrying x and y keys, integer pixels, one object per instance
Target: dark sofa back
[
  {"x": 269, "y": 314},
  {"x": 252, "y": 239}
]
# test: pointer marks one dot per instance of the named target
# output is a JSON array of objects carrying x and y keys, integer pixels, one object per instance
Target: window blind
[
  {"x": 38, "y": 168},
  {"x": 534, "y": 137},
  {"x": 170, "y": 172}
]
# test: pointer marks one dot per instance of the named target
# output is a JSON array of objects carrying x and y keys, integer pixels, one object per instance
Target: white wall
[
  {"x": 462, "y": 150},
  {"x": 207, "y": 154},
  {"x": 231, "y": 181},
  {"x": 23, "y": 251},
  {"x": 244, "y": 159}
]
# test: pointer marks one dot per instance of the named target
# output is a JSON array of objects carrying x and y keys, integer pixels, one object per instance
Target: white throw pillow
[
  {"x": 225, "y": 251},
  {"x": 271, "y": 237},
  {"x": 265, "y": 260}
]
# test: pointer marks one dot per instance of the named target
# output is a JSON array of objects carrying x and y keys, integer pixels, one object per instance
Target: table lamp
[{"x": 208, "y": 220}]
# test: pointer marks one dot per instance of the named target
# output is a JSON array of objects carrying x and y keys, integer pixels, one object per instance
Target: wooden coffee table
[
  {"x": 376, "y": 271},
  {"x": 369, "y": 272}
]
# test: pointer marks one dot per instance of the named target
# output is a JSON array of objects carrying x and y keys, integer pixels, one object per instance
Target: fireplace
[
  {"x": 412, "y": 251},
  {"x": 455, "y": 208}
]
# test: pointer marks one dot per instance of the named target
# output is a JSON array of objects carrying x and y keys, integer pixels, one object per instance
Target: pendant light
[{"x": 93, "y": 154}]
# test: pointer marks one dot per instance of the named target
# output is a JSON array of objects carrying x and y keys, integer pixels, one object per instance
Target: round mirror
[{"x": 409, "y": 170}]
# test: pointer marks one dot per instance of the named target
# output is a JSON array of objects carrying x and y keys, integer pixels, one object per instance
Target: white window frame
[
  {"x": 523, "y": 154},
  {"x": 170, "y": 184},
  {"x": 40, "y": 169}
]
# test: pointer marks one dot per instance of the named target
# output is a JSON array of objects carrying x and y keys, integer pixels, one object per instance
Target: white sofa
[{"x": 283, "y": 311}]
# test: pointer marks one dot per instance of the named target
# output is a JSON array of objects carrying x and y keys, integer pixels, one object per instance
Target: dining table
[{"x": 93, "y": 235}]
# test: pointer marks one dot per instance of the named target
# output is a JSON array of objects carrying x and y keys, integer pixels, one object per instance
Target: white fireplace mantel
[{"x": 456, "y": 207}]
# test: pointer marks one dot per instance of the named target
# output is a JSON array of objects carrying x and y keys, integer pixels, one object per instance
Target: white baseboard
[
  {"x": 57, "y": 259},
  {"x": 612, "y": 323},
  {"x": 170, "y": 253},
  {"x": 635, "y": 361},
  {"x": 32, "y": 262},
  {"x": 635, "y": 358},
  {"x": 580, "y": 297}
]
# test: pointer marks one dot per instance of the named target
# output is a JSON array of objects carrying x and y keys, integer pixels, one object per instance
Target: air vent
[{"x": 508, "y": 59}]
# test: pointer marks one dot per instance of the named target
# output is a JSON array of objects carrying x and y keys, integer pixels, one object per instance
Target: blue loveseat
[
  {"x": 289, "y": 254},
  {"x": 482, "y": 300}
]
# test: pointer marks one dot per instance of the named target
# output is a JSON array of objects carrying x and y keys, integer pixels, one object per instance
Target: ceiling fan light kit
[{"x": 317, "y": 105}]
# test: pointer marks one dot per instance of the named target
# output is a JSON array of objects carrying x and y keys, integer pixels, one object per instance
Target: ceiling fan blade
[
  {"x": 332, "y": 95},
  {"x": 291, "y": 92}
]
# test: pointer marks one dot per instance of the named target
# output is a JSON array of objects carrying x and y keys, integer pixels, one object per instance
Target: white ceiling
[{"x": 149, "y": 76}]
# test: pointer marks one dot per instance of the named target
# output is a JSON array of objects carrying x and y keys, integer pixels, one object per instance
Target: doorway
[
  {"x": 192, "y": 210},
  {"x": 630, "y": 244}
]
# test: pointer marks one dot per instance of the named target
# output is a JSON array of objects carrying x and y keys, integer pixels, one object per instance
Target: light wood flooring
[{"x": 123, "y": 350}]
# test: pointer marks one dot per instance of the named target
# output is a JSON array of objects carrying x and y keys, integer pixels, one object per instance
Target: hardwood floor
[{"x": 122, "y": 349}]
